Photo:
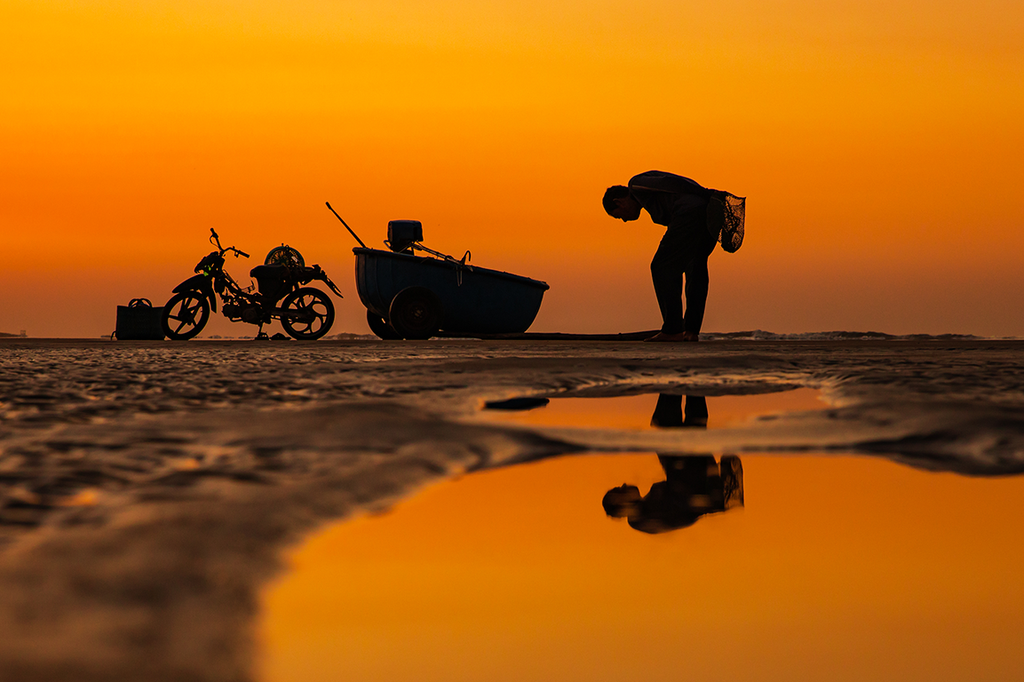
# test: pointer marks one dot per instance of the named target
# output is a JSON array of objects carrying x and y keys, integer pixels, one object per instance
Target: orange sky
[{"x": 878, "y": 142}]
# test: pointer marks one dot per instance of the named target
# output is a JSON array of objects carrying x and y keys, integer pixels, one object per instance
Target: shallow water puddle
[
  {"x": 638, "y": 411},
  {"x": 838, "y": 568}
]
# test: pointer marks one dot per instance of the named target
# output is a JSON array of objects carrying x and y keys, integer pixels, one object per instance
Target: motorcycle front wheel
[
  {"x": 307, "y": 314},
  {"x": 185, "y": 315}
]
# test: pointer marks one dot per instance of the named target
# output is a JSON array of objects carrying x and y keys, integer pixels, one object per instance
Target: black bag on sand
[
  {"x": 725, "y": 219},
  {"x": 139, "y": 321}
]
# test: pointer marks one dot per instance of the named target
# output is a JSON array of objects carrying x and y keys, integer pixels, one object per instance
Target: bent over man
[{"x": 681, "y": 205}]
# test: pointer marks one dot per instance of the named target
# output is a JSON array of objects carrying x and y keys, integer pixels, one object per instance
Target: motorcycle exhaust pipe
[{"x": 346, "y": 225}]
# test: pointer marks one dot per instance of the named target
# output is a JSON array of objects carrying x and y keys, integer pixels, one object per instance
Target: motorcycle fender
[
  {"x": 203, "y": 285},
  {"x": 330, "y": 284}
]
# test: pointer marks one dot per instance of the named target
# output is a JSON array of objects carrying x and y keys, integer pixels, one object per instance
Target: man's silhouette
[{"x": 681, "y": 205}]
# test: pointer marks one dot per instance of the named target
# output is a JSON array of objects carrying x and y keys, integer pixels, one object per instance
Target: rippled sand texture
[{"x": 148, "y": 489}]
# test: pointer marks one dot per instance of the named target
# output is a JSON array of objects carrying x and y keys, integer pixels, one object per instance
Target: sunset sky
[{"x": 879, "y": 144}]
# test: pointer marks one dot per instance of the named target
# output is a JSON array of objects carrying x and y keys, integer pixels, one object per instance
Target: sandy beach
[{"x": 150, "y": 489}]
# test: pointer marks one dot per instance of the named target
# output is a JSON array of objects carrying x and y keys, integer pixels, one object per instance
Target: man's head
[
  {"x": 622, "y": 501},
  {"x": 620, "y": 203}
]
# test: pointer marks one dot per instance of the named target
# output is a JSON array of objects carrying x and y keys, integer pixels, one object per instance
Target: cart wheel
[
  {"x": 185, "y": 315},
  {"x": 307, "y": 314},
  {"x": 381, "y": 328},
  {"x": 415, "y": 313}
]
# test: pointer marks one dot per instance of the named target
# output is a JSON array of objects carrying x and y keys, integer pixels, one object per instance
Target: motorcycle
[{"x": 306, "y": 313}]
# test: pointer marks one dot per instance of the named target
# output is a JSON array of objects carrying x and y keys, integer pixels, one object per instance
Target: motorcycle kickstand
[{"x": 261, "y": 335}]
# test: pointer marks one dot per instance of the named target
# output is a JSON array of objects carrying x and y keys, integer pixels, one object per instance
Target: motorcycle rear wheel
[
  {"x": 185, "y": 315},
  {"x": 308, "y": 314}
]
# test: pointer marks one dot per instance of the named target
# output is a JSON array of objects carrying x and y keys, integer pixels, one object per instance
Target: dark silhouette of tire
[
  {"x": 308, "y": 314},
  {"x": 380, "y": 327},
  {"x": 415, "y": 313},
  {"x": 185, "y": 315}
]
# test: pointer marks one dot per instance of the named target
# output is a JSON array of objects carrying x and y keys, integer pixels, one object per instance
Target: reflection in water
[
  {"x": 694, "y": 485},
  {"x": 516, "y": 404},
  {"x": 515, "y": 573}
]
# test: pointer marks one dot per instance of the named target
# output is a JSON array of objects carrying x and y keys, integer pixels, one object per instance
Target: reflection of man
[
  {"x": 695, "y": 485},
  {"x": 681, "y": 205}
]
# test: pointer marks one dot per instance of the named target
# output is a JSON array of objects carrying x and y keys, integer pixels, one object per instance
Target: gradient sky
[{"x": 878, "y": 142}]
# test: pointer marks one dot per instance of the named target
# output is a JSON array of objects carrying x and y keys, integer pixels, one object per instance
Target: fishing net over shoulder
[{"x": 725, "y": 219}]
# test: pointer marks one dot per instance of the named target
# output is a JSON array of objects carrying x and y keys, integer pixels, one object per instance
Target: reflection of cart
[{"x": 414, "y": 297}]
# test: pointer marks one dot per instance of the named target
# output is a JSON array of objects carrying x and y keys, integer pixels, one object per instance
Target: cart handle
[{"x": 346, "y": 225}]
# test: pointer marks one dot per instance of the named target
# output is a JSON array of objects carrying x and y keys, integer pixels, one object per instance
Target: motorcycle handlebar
[{"x": 215, "y": 239}]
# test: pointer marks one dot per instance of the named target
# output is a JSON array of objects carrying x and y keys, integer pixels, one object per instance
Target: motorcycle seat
[{"x": 269, "y": 271}]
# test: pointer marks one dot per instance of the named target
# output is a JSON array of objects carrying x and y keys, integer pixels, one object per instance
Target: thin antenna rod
[{"x": 346, "y": 225}]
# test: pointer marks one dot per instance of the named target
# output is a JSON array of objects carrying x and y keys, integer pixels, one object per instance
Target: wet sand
[{"x": 149, "y": 489}]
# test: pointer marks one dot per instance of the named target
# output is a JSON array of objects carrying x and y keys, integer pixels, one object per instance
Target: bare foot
[{"x": 662, "y": 337}]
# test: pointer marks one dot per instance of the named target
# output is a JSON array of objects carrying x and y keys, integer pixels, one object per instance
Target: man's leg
[
  {"x": 669, "y": 411},
  {"x": 685, "y": 248},
  {"x": 696, "y": 292},
  {"x": 667, "y": 269}
]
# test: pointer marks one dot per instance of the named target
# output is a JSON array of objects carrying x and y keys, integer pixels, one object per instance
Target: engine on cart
[{"x": 402, "y": 234}]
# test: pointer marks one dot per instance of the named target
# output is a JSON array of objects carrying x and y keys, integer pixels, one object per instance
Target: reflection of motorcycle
[{"x": 305, "y": 312}]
